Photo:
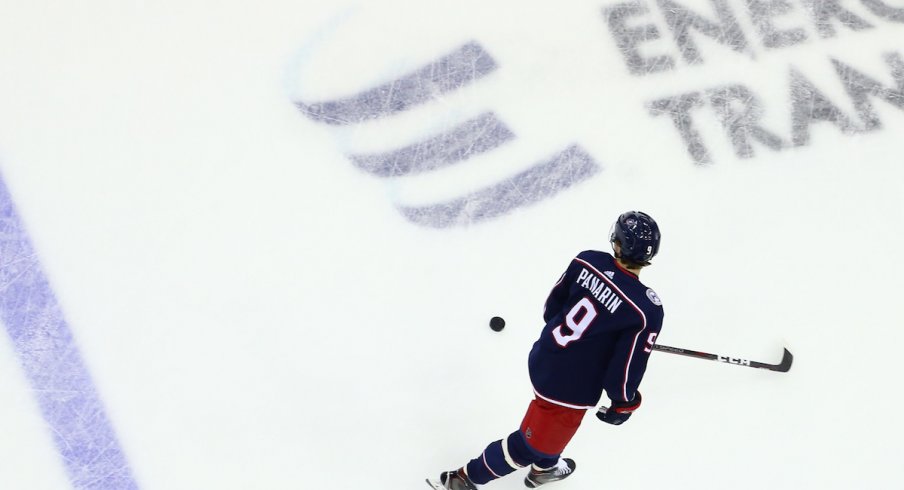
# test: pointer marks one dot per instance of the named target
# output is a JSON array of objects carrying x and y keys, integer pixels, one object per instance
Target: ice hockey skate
[
  {"x": 452, "y": 480},
  {"x": 563, "y": 468}
]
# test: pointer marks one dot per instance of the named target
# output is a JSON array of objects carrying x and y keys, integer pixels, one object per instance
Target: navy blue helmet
[{"x": 638, "y": 235}]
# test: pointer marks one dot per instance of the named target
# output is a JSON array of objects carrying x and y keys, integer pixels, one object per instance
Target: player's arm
[
  {"x": 628, "y": 364},
  {"x": 625, "y": 371},
  {"x": 559, "y": 294}
]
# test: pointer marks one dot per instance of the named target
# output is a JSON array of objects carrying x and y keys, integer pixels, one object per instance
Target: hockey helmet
[{"x": 638, "y": 234}]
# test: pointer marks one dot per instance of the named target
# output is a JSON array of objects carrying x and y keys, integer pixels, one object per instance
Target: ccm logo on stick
[{"x": 734, "y": 360}]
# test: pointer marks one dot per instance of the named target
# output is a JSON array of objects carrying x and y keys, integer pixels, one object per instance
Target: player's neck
[{"x": 629, "y": 267}]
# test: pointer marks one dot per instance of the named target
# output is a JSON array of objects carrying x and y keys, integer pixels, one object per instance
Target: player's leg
[
  {"x": 500, "y": 458},
  {"x": 548, "y": 428},
  {"x": 545, "y": 431}
]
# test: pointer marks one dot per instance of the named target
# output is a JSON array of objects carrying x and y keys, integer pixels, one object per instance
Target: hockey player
[{"x": 601, "y": 324}]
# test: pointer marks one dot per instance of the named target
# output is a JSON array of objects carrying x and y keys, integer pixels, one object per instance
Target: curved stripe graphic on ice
[
  {"x": 473, "y": 137},
  {"x": 449, "y": 131},
  {"x": 535, "y": 184},
  {"x": 453, "y": 71}
]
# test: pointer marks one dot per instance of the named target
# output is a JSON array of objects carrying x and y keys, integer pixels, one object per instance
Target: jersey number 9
[{"x": 577, "y": 320}]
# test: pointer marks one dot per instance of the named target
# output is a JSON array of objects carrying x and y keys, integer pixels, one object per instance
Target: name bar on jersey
[{"x": 599, "y": 290}]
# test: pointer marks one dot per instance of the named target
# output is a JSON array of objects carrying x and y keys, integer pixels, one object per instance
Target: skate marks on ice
[
  {"x": 461, "y": 137},
  {"x": 737, "y": 106},
  {"x": 41, "y": 338}
]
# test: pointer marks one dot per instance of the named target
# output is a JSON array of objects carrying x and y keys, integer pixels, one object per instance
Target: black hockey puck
[{"x": 497, "y": 323}]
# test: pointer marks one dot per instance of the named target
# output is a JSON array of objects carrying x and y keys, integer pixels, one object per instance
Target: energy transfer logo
[{"x": 441, "y": 126}]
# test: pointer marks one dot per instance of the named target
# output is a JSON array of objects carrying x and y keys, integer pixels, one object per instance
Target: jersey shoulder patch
[{"x": 653, "y": 297}]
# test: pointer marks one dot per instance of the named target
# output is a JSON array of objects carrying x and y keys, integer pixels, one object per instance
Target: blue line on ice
[{"x": 58, "y": 377}]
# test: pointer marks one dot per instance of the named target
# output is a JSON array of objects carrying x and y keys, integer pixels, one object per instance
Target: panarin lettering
[{"x": 599, "y": 289}]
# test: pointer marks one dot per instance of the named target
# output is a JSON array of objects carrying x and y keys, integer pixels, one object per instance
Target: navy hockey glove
[{"x": 619, "y": 412}]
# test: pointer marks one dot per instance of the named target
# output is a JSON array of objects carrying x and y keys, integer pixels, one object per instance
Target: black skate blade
[{"x": 435, "y": 485}]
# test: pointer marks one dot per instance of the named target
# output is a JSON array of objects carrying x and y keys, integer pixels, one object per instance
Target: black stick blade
[
  {"x": 781, "y": 367},
  {"x": 785, "y": 365}
]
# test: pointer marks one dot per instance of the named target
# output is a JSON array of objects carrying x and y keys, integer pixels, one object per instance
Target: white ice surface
[{"x": 256, "y": 314}]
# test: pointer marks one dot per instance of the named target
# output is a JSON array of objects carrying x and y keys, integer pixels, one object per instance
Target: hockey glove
[{"x": 619, "y": 412}]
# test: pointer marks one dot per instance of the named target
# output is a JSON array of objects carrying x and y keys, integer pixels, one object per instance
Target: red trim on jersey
[
  {"x": 643, "y": 318},
  {"x": 618, "y": 264},
  {"x": 561, "y": 403}
]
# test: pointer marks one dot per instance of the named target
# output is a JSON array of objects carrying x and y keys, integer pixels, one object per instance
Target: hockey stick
[{"x": 781, "y": 367}]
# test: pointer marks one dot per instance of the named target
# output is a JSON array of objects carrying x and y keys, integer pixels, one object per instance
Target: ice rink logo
[
  {"x": 639, "y": 28},
  {"x": 463, "y": 128},
  {"x": 438, "y": 124}
]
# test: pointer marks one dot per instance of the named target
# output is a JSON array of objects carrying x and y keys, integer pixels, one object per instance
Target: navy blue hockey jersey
[{"x": 601, "y": 324}]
